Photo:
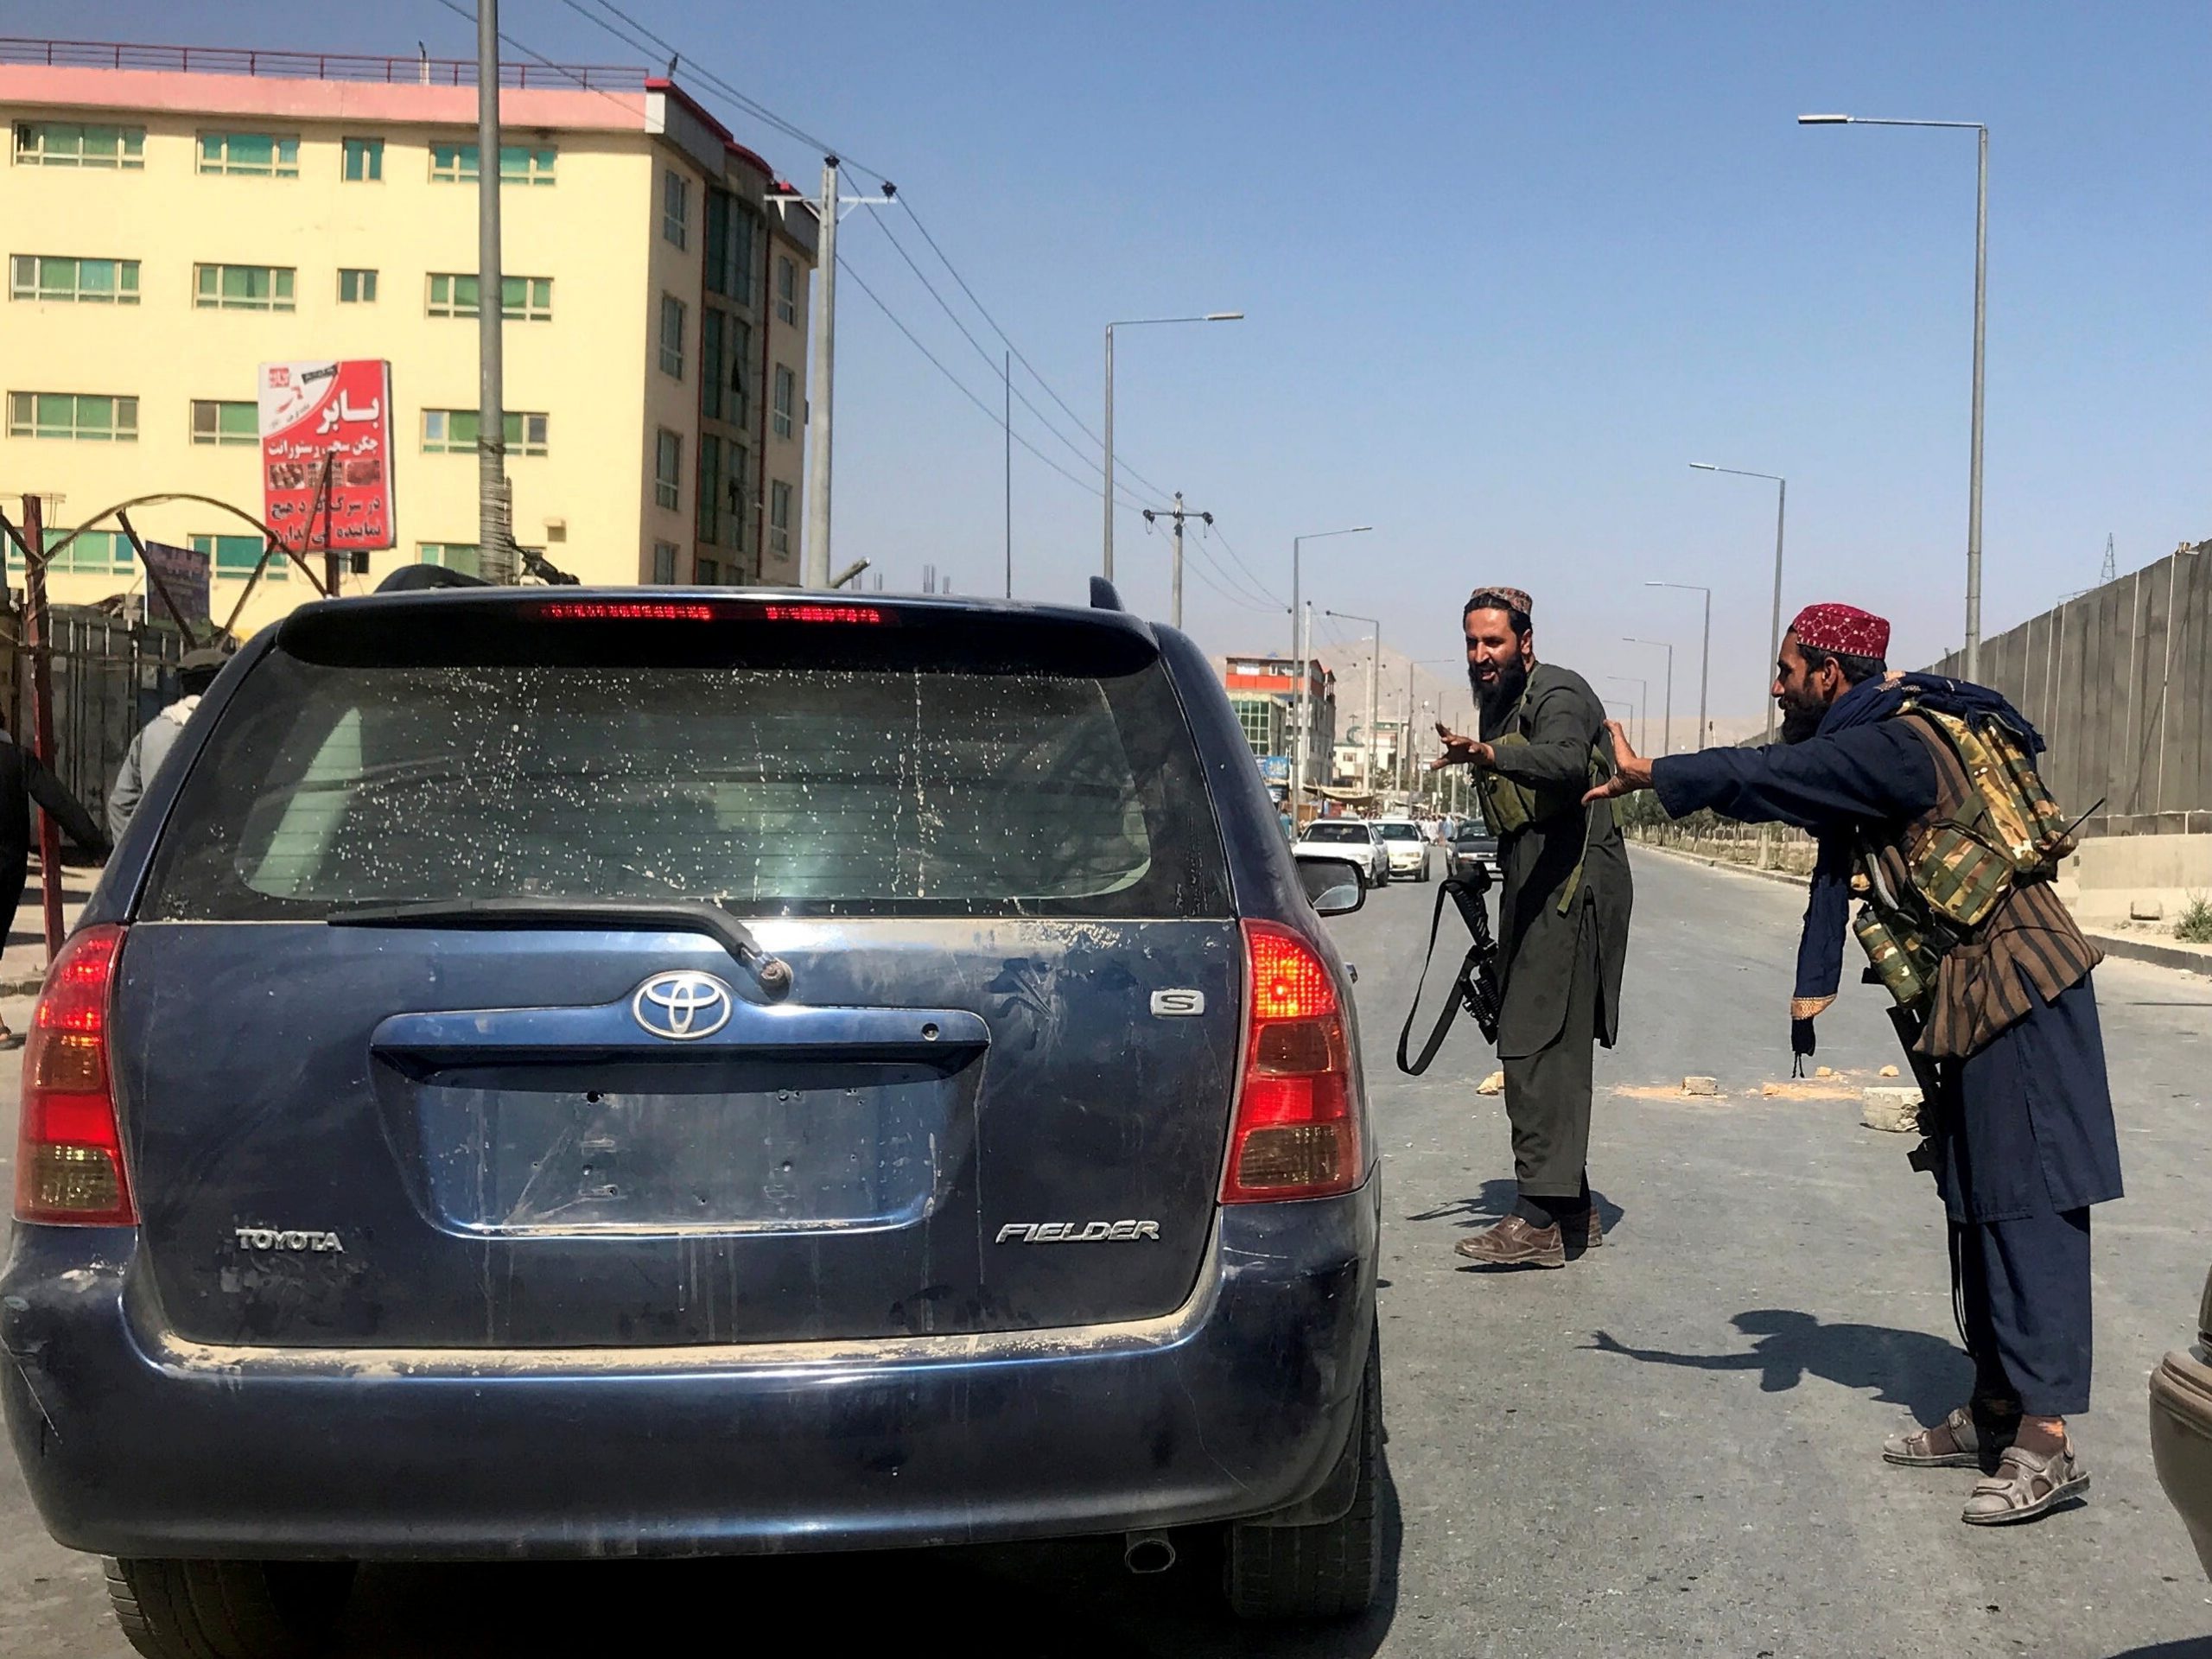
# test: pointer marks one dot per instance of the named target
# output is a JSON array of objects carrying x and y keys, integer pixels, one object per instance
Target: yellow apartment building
[{"x": 175, "y": 216}]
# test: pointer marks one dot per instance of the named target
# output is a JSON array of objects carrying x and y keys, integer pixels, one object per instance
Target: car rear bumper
[
  {"x": 1236, "y": 1405},
  {"x": 2181, "y": 1441}
]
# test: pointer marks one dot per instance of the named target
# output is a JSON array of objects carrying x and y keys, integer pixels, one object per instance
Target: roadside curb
[{"x": 1727, "y": 864}]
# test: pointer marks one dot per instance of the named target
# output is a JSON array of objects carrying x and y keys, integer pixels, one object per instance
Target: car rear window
[
  {"x": 1337, "y": 832},
  {"x": 1399, "y": 831},
  {"x": 923, "y": 769}
]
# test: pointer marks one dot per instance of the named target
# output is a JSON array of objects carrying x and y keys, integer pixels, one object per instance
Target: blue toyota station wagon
[{"x": 552, "y": 1073}]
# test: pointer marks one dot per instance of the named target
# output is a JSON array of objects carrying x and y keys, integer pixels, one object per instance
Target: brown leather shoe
[{"x": 1514, "y": 1243}]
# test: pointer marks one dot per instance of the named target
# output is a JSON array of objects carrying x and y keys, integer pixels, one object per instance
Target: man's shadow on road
[
  {"x": 1495, "y": 1202},
  {"x": 1926, "y": 1375}
]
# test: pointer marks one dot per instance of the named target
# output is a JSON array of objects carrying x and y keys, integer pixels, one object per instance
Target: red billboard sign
[{"x": 326, "y": 453}]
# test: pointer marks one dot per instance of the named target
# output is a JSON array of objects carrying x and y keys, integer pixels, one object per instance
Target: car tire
[
  {"x": 227, "y": 1609},
  {"x": 1332, "y": 1570}
]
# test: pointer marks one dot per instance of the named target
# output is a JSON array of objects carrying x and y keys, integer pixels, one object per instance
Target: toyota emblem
[{"x": 683, "y": 1006}]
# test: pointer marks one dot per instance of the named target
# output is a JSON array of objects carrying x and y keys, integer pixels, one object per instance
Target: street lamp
[
  {"x": 1980, "y": 317},
  {"x": 1704, "y": 654},
  {"x": 1374, "y": 683},
  {"x": 1134, "y": 322},
  {"x": 1297, "y": 643},
  {"x": 1774, "y": 632},
  {"x": 1667, "y": 720},
  {"x": 1642, "y": 709}
]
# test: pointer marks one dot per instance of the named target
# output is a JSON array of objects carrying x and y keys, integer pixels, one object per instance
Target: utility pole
[
  {"x": 1178, "y": 513},
  {"x": 1007, "y": 372},
  {"x": 495, "y": 539},
  {"x": 821, "y": 374},
  {"x": 1667, "y": 727}
]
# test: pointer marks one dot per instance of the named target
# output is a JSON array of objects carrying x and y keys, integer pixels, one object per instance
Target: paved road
[{"x": 1776, "y": 1278}]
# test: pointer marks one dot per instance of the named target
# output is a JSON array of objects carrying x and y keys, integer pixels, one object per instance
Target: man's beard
[
  {"x": 1800, "y": 721},
  {"x": 1498, "y": 696}
]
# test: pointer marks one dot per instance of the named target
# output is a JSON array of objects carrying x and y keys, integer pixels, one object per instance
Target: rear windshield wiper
[{"x": 671, "y": 915}]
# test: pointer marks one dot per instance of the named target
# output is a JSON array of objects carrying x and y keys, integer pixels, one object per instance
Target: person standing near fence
[
  {"x": 22, "y": 780},
  {"x": 159, "y": 735},
  {"x": 1922, "y": 793}
]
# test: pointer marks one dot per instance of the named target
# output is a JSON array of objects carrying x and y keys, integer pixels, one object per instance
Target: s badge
[{"x": 1178, "y": 1004}]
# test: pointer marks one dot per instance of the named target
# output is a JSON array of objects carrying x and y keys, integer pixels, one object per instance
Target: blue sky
[{"x": 1507, "y": 269}]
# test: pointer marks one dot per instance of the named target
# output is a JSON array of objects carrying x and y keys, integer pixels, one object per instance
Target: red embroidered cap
[{"x": 1843, "y": 628}]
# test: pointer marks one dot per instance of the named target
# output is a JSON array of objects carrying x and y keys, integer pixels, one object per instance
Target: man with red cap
[{"x": 2022, "y": 1141}]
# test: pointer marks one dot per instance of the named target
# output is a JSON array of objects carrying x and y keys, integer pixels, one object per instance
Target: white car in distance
[
  {"x": 1407, "y": 848},
  {"x": 1347, "y": 838}
]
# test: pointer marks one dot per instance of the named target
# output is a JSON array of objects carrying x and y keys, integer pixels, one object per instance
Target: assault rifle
[{"x": 1475, "y": 989}]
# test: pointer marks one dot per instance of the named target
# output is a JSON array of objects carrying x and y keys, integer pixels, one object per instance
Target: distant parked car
[
  {"x": 1352, "y": 838},
  {"x": 1407, "y": 846},
  {"x": 558, "y": 1074},
  {"x": 1472, "y": 848},
  {"x": 2181, "y": 1431}
]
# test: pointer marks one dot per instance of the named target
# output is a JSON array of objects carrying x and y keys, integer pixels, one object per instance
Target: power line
[
  {"x": 1229, "y": 547},
  {"x": 469, "y": 16}
]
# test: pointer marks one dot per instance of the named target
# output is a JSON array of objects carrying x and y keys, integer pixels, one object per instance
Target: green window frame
[
  {"x": 79, "y": 143},
  {"x": 740, "y": 371},
  {"x": 466, "y": 557},
  {"x": 356, "y": 287},
  {"x": 95, "y": 552},
  {"x": 519, "y": 163},
  {"x": 232, "y": 558},
  {"x": 738, "y": 474},
  {"x": 453, "y": 432},
  {"x": 363, "y": 161},
  {"x": 70, "y": 279},
  {"x": 87, "y": 416},
  {"x": 225, "y": 422},
  {"x": 523, "y": 299},
  {"x": 668, "y": 469},
  {"x": 710, "y": 488},
  {"x": 242, "y": 287},
  {"x": 710, "y": 363},
  {"x": 706, "y": 572},
  {"x": 253, "y": 155}
]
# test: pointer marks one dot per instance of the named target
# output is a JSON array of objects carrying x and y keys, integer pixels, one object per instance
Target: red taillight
[
  {"x": 1297, "y": 1133},
  {"x": 626, "y": 610},
  {"x": 867, "y": 613},
  {"x": 69, "y": 1146}
]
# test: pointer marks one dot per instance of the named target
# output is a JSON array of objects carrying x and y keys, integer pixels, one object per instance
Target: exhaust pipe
[{"x": 1147, "y": 1552}]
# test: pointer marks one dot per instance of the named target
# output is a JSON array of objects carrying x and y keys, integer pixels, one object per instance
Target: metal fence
[
  {"x": 2120, "y": 680},
  {"x": 110, "y": 676}
]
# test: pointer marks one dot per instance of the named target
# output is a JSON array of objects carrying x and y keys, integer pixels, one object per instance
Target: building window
[
  {"x": 519, "y": 164},
  {"x": 710, "y": 364},
  {"x": 780, "y": 520},
  {"x": 786, "y": 291},
  {"x": 80, "y": 415},
  {"x": 734, "y": 492},
  {"x": 674, "y": 206},
  {"x": 357, "y": 287},
  {"x": 664, "y": 563},
  {"x": 522, "y": 299},
  {"x": 97, "y": 552},
  {"x": 234, "y": 557},
  {"x": 740, "y": 383},
  {"x": 454, "y": 431},
  {"x": 77, "y": 143},
  {"x": 710, "y": 488},
  {"x": 242, "y": 287},
  {"x": 668, "y": 469},
  {"x": 730, "y": 233},
  {"x": 671, "y": 335},
  {"x": 454, "y": 555},
  {"x": 82, "y": 282},
  {"x": 224, "y": 422},
  {"x": 260, "y": 155},
  {"x": 364, "y": 161},
  {"x": 786, "y": 396},
  {"x": 707, "y": 572}
]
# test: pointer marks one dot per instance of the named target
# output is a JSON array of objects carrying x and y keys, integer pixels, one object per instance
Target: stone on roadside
[
  {"x": 1824, "y": 1070},
  {"x": 1889, "y": 1071},
  {"x": 1492, "y": 1085},
  {"x": 1894, "y": 1110},
  {"x": 1701, "y": 1085}
]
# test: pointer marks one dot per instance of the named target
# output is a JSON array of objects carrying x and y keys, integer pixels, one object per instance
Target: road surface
[{"x": 1671, "y": 1447}]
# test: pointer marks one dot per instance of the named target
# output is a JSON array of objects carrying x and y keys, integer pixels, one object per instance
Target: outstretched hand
[
  {"x": 1459, "y": 750},
  {"x": 1631, "y": 772}
]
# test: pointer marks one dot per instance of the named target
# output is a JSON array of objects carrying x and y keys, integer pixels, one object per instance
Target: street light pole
[
  {"x": 1980, "y": 318},
  {"x": 1704, "y": 654},
  {"x": 1667, "y": 726},
  {"x": 1774, "y": 630},
  {"x": 1107, "y": 563},
  {"x": 1373, "y": 684},
  {"x": 1642, "y": 709},
  {"x": 1298, "y": 657}
]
